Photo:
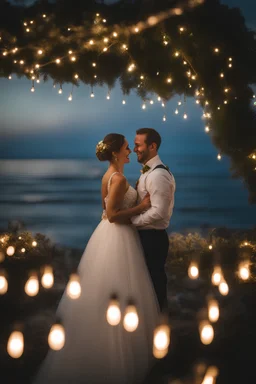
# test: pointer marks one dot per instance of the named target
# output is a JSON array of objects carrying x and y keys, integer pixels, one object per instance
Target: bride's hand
[{"x": 146, "y": 203}]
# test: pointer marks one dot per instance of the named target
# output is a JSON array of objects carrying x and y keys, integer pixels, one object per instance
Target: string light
[
  {"x": 164, "y": 118},
  {"x": 131, "y": 319},
  {"x": 143, "y": 106},
  {"x": 244, "y": 270},
  {"x": 10, "y": 250},
  {"x": 3, "y": 284},
  {"x": 206, "y": 332},
  {"x": 47, "y": 279},
  {"x": 124, "y": 102},
  {"x": 56, "y": 338},
  {"x": 32, "y": 286},
  {"x": 74, "y": 287},
  {"x": 176, "y": 111},
  {"x": 185, "y": 116},
  {"x": 193, "y": 271},
  {"x": 15, "y": 345},
  {"x": 223, "y": 287},
  {"x": 213, "y": 310},
  {"x": 216, "y": 275},
  {"x": 113, "y": 313},
  {"x": 219, "y": 156},
  {"x": 207, "y": 129},
  {"x": 161, "y": 341}
]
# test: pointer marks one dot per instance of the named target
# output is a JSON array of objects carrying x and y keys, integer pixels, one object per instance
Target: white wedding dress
[{"x": 94, "y": 351}]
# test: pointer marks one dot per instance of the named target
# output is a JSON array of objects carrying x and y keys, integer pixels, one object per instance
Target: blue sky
[{"x": 45, "y": 124}]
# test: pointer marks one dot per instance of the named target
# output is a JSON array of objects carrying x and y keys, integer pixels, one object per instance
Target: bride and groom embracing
[{"x": 125, "y": 257}]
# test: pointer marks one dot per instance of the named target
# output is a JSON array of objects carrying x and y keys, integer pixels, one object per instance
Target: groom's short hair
[{"x": 152, "y": 136}]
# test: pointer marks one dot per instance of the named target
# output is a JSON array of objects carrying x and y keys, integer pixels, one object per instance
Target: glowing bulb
[
  {"x": 113, "y": 314},
  {"x": 32, "y": 89},
  {"x": 136, "y": 30},
  {"x": 179, "y": 102},
  {"x": 176, "y": 54},
  {"x": 163, "y": 105},
  {"x": 27, "y": 30},
  {"x": 56, "y": 338},
  {"x": 3, "y": 285},
  {"x": 230, "y": 65},
  {"x": 216, "y": 275},
  {"x": 181, "y": 29},
  {"x": 151, "y": 101},
  {"x": 15, "y": 345},
  {"x": 94, "y": 64},
  {"x": 32, "y": 286},
  {"x": 169, "y": 80},
  {"x": 60, "y": 91},
  {"x": 40, "y": 52},
  {"x": 193, "y": 270},
  {"x": 44, "y": 16},
  {"x": 213, "y": 310},
  {"x": 115, "y": 34},
  {"x": 34, "y": 243},
  {"x": 207, "y": 129},
  {"x": 23, "y": 250},
  {"x": 76, "y": 76},
  {"x": 105, "y": 49},
  {"x": 37, "y": 66},
  {"x": 22, "y": 62},
  {"x": 37, "y": 80},
  {"x": 216, "y": 50},
  {"x": 131, "y": 319},
  {"x": 197, "y": 101},
  {"x": 91, "y": 42},
  {"x": 222, "y": 75},
  {"x": 162, "y": 337},
  {"x": 184, "y": 62},
  {"x": 10, "y": 250},
  {"x": 74, "y": 287},
  {"x": 176, "y": 111},
  {"x": 143, "y": 106},
  {"x": 124, "y": 102},
  {"x": 244, "y": 270},
  {"x": 159, "y": 98},
  {"x": 185, "y": 116},
  {"x": 223, "y": 287},
  {"x": 108, "y": 96},
  {"x": 73, "y": 58},
  {"x": 47, "y": 279},
  {"x": 104, "y": 20},
  {"x": 10, "y": 77},
  {"x": 57, "y": 61},
  {"x": 92, "y": 95},
  {"x": 164, "y": 118},
  {"x": 206, "y": 332},
  {"x": 210, "y": 247},
  {"x": 70, "y": 97}
]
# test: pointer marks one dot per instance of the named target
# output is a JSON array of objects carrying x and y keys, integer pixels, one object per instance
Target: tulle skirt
[{"x": 94, "y": 351}]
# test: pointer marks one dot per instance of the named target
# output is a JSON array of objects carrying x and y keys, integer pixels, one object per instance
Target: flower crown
[{"x": 101, "y": 147}]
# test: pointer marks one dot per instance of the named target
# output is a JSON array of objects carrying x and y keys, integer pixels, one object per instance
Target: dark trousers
[{"x": 156, "y": 244}]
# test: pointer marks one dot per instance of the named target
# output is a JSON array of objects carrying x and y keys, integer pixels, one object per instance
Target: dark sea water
[{"x": 61, "y": 198}]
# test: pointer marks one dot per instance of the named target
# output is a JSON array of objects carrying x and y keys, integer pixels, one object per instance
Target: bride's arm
[{"x": 115, "y": 199}]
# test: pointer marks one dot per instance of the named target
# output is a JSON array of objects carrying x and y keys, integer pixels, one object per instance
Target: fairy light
[
  {"x": 56, "y": 338},
  {"x": 94, "y": 65},
  {"x": 161, "y": 341},
  {"x": 216, "y": 275},
  {"x": 131, "y": 67},
  {"x": 151, "y": 102},
  {"x": 27, "y": 30},
  {"x": 22, "y": 62},
  {"x": 219, "y": 156},
  {"x": 213, "y": 310},
  {"x": 113, "y": 313},
  {"x": 34, "y": 243},
  {"x": 221, "y": 74},
  {"x": 91, "y": 42},
  {"x": 164, "y": 118},
  {"x": 143, "y": 106},
  {"x": 74, "y": 287},
  {"x": 210, "y": 375},
  {"x": 76, "y": 76},
  {"x": 223, "y": 287},
  {"x": 23, "y": 250},
  {"x": 181, "y": 29},
  {"x": 47, "y": 279},
  {"x": 216, "y": 50},
  {"x": 136, "y": 30},
  {"x": 207, "y": 129},
  {"x": 123, "y": 102},
  {"x": 38, "y": 81},
  {"x": 230, "y": 65},
  {"x": 10, "y": 250},
  {"x": 15, "y": 345},
  {"x": 176, "y": 54},
  {"x": 184, "y": 62},
  {"x": 40, "y": 52},
  {"x": 92, "y": 95},
  {"x": 70, "y": 52},
  {"x": 169, "y": 80},
  {"x": 244, "y": 270},
  {"x": 3, "y": 284},
  {"x": 44, "y": 16},
  {"x": 115, "y": 34},
  {"x": 32, "y": 89},
  {"x": 163, "y": 104},
  {"x": 131, "y": 318},
  {"x": 10, "y": 77},
  {"x": 206, "y": 332},
  {"x": 57, "y": 61},
  {"x": 185, "y": 116},
  {"x": 32, "y": 286},
  {"x": 73, "y": 58},
  {"x": 176, "y": 111},
  {"x": 105, "y": 49},
  {"x": 108, "y": 96},
  {"x": 37, "y": 66},
  {"x": 104, "y": 20},
  {"x": 193, "y": 271}
]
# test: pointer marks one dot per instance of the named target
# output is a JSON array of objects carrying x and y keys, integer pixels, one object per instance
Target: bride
[{"x": 112, "y": 264}]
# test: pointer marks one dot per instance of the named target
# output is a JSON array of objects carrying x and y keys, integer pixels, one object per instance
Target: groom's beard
[{"x": 143, "y": 157}]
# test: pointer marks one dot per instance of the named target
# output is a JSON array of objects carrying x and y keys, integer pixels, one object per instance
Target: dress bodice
[{"x": 130, "y": 197}]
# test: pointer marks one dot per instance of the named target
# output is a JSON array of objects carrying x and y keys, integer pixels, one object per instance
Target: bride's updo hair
[{"x": 113, "y": 142}]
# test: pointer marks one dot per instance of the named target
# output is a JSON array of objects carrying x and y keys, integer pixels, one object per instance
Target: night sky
[{"x": 46, "y": 125}]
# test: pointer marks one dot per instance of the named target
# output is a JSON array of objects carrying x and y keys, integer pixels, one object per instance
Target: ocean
[{"x": 61, "y": 198}]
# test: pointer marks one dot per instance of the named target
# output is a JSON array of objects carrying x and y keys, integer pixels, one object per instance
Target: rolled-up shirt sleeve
[{"x": 161, "y": 188}]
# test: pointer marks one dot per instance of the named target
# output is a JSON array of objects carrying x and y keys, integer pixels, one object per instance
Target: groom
[{"x": 160, "y": 184}]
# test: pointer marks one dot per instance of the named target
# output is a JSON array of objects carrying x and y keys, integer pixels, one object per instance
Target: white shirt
[{"x": 161, "y": 186}]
